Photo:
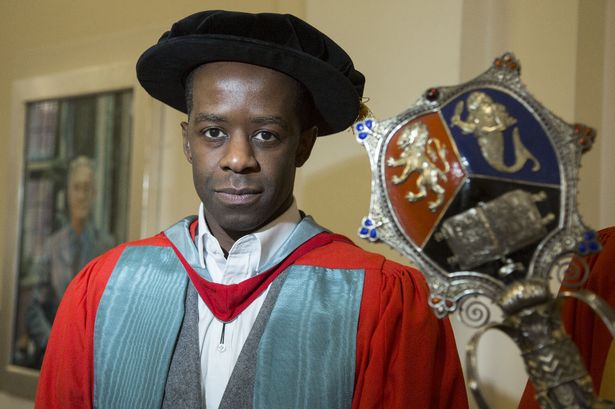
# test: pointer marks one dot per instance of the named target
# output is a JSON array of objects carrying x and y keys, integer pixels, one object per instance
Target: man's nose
[{"x": 239, "y": 155}]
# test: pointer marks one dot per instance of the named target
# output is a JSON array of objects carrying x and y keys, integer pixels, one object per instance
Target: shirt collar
[{"x": 265, "y": 241}]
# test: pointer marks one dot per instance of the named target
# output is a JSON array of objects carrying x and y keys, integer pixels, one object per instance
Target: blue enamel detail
[
  {"x": 589, "y": 235},
  {"x": 589, "y": 243},
  {"x": 526, "y": 126},
  {"x": 368, "y": 229},
  {"x": 363, "y": 129}
]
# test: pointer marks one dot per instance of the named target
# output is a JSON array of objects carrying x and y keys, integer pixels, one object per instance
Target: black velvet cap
[{"x": 281, "y": 42}]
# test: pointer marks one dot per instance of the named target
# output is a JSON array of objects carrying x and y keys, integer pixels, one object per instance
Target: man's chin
[
  {"x": 238, "y": 221},
  {"x": 237, "y": 225}
]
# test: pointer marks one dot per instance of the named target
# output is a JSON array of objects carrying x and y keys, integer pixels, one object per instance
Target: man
[
  {"x": 252, "y": 304},
  {"x": 66, "y": 252}
]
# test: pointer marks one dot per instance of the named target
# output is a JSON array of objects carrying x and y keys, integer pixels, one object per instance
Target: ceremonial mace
[{"x": 476, "y": 184}]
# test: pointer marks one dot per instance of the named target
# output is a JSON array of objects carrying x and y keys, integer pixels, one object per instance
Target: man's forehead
[
  {"x": 222, "y": 92},
  {"x": 240, "y": 71}
]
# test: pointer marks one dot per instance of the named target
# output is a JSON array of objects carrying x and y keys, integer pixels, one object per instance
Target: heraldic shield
[{"x": 476, "y": 184}]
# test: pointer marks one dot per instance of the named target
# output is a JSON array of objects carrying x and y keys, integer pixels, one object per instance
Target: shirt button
[{"x": 221, "y": 348}]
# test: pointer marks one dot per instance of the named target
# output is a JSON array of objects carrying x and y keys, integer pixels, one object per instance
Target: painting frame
[{"x": 144, "y": 161}]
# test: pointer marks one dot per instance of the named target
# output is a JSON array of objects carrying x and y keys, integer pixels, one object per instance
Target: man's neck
[{"x": 226, "y": 238}]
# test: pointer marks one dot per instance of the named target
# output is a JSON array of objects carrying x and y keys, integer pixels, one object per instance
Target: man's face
[
  {"x": 80, "y": 192},
  {"x": 244, "y": 141}
]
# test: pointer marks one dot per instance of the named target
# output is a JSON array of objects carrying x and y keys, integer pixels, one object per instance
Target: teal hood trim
[
  {"x": 140, "y": 314},
  {"x": 180, "y": 236},
  {"x": 136, "y": 328},
  {"x": 306, "y": 356}
]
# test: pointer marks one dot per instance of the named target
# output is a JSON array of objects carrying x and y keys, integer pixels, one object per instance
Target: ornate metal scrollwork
[
  {"x": 473, "y": 312},
  {"x": 572, "y": 272},
  {"x": 476, "y": 184}
]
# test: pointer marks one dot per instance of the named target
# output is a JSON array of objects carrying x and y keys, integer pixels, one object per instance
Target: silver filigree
[
  {"x": 572, "y": 272},
  {"x": 473, "y": 312},
  {"x": 476, "y": 184}
]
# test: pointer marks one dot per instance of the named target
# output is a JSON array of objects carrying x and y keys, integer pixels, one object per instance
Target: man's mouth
[{"x": 234, "y": 196}]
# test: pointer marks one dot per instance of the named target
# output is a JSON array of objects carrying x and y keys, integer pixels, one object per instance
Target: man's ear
[
  {"x": 186, "y": 142},
  {"x": 306, "y": 143}
]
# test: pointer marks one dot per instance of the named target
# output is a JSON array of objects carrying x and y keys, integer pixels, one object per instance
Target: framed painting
[
  {"x": 74, "y": 204},
  {"x": 77, "y": 189}
]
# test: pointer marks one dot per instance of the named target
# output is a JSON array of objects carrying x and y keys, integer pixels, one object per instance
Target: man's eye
[
  {"x": 213, "y": 133},
  {"x": 265, "y": 136}
]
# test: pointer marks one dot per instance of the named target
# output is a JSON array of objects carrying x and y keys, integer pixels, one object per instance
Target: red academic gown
[
  {"x": 582, "y": 324},
  {"x": 405, "y": 357}
]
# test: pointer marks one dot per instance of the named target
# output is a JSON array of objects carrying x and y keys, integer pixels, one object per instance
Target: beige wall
[
  {"x": 402, "y": 46},
  {"x": 607, "y": 141}
]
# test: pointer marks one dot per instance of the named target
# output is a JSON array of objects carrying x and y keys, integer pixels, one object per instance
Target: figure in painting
[{"x": 66, "y": 252}]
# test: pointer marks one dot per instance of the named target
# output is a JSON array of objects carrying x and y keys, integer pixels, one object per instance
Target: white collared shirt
[{"x": 246, "y": 256}]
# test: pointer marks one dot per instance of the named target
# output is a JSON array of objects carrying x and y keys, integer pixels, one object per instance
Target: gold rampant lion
[
  {"x": 488, "y": 120},
  {"x": 419, "y": 153}
]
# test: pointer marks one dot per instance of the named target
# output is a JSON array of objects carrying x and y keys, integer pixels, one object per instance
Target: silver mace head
[{"x": 476, "y": 185}]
